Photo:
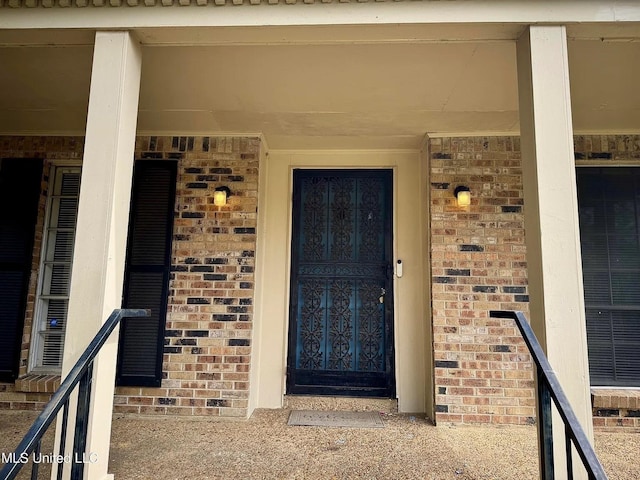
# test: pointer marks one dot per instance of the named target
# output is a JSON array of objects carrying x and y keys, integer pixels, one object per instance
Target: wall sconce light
[
  {"x": 463, "y": 195},
  {"x": 220, "y": 195}
]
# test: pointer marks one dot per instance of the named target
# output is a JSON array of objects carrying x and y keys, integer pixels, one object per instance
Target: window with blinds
[
  {"x": 146, "y": 272},
  {"x": 609, "y": 208},
  {"x": 55, "y": 269}
]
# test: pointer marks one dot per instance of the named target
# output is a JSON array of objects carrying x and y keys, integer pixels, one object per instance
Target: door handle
[
  {"x": 388, "y": 271},
  {"x": 383, "y": 292}
]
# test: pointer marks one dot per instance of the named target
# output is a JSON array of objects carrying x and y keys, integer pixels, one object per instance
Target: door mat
[{"x": 317, "y": 418}]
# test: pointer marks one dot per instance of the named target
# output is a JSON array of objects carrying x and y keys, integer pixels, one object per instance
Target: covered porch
[{"x": 482, "y": 100}]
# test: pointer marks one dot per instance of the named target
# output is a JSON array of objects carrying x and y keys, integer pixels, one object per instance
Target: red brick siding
[
  {"x": 210, "y": 314},
  {"x": 483, "y": 373}
]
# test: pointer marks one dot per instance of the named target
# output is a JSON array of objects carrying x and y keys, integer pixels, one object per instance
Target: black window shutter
[
  {"x": 19, "y": 194},
  {"x": 609, "y": 207},
  {"x": 147, "y": 272}
]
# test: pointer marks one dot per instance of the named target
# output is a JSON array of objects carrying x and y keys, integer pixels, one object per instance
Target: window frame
[
  {"x": 613, "y": 307},
  {"x": 37, "y": 343}
]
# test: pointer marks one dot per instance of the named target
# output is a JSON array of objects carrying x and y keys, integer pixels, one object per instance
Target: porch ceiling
[{"x": 319, "y": 88}]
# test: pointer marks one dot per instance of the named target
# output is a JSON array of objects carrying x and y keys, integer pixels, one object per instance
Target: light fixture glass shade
[
  {"x": 220, "y": 198},
  {"x": 464, "y": 198}
]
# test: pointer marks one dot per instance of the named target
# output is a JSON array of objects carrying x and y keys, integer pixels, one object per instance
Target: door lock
[{"x": 383, "y": 292}]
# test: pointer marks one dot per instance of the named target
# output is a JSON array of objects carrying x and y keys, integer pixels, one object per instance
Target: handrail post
[
  {"x": 81, "y": 426},
  {"x": 63, "y": 436},
  {"x": 35, "y": 467},
  {"x": 545, "y": 439},
  {"x": 569, "y": 452},
  {"x": 548, "y": 388}
]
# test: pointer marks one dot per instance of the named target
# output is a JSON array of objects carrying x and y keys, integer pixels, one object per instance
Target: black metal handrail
[
  {"x": 81, "y": 374},
  {"x": 548, "y": 387}
]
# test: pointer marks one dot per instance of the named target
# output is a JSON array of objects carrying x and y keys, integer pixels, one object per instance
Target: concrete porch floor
[{"x": 264, "y": 447}]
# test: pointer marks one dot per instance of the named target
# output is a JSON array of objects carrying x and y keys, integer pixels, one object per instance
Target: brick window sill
[
  {"x": 38, "y": 383},
  {"x": 616, "y": 407}
]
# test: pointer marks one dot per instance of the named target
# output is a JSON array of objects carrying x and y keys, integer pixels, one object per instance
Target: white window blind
[{"x": 55, "y": 269}]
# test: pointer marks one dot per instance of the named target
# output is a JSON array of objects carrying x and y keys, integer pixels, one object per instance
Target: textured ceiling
[{"x": 340, "y": 94}]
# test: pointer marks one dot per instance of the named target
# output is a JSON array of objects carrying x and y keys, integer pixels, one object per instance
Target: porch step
[{"x": 349, "y": 404}]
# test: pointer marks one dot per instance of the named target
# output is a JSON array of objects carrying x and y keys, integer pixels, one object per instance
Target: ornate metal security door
[{"x": 341, "y": 309}]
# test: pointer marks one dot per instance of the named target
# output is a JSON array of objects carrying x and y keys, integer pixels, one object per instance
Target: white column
[
  {"x": 103, "y": 217},
  {"x": 551, "y": 217}
]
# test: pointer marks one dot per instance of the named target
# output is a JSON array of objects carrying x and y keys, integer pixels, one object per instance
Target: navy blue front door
[{"x": 341, "y": 309}]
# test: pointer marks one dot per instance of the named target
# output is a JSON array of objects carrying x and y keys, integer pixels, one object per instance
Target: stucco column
[
  {"x": 551, "y": 217},
  {"x": 103, "y": 217}
]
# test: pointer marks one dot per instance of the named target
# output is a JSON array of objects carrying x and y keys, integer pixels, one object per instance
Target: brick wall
[
  {"x": 209, "y": 319},
  {"x": 483, "y": 372},
  {"x": 208, "y": 340},
  {"x": 607, "y": 149},
  {"x": 616, "y": 408}
]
